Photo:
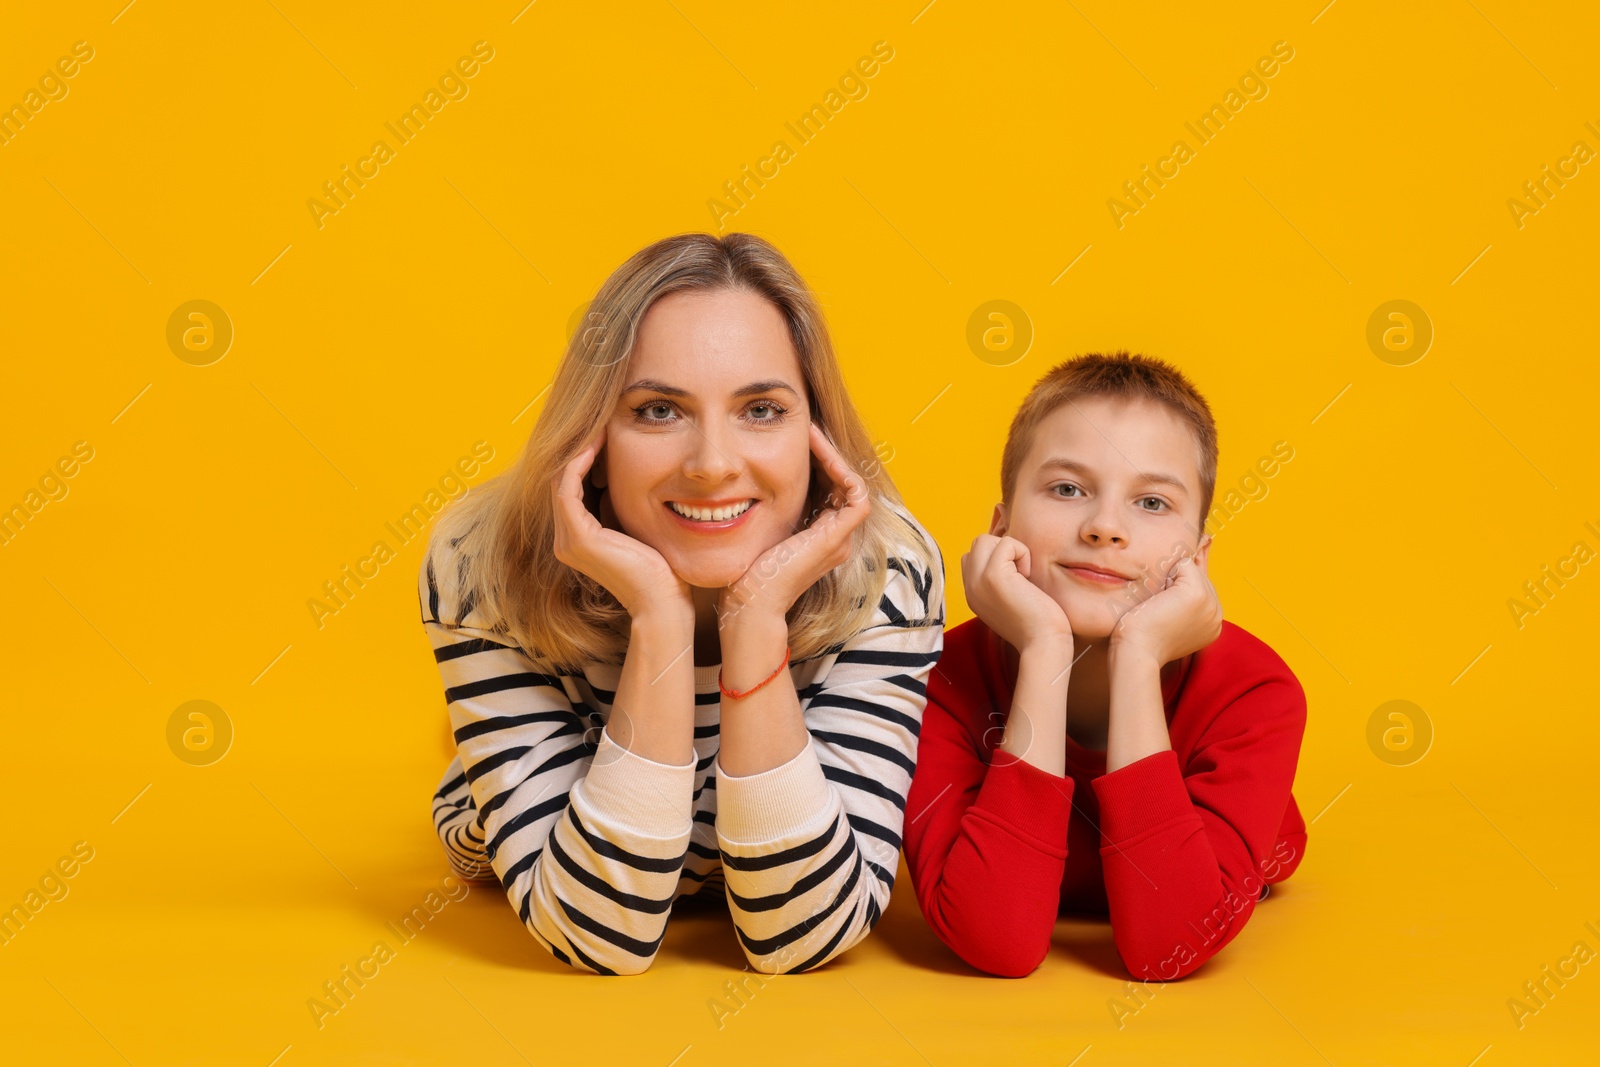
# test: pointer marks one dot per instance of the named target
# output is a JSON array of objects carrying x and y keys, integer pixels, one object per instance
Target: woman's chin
[{"x": 709, "y": 573}]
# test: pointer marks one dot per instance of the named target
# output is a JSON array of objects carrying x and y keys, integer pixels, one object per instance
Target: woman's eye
[
  {"x": 654, "y": 405},
  {"x": 776, "y": 415}
]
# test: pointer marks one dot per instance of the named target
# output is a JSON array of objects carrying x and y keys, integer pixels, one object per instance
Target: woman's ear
[{"x": 597, "y": 469}]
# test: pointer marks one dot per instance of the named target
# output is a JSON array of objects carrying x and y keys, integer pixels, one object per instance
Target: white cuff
[
  {"x": 788, "y": 800},
  {"x": 652, "y": 799}
]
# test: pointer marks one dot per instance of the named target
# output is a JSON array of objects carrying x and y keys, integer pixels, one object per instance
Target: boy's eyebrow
[
  {"x": 1062, "y": 463},
  {"x": 767, "y": 385}
]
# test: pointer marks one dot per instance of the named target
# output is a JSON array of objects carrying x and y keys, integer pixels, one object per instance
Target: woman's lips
[
  {"x": 713, "y": 527},
  {"x": 1094, "y": 577}
]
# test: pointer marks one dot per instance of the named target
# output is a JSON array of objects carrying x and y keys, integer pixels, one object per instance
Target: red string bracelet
[{"x": 736, "y": 694}]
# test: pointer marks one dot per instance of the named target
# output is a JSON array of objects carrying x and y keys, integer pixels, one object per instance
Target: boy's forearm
[
  {"x": 1138, "y": 726},
  {"x": 1036, "y": 729}
]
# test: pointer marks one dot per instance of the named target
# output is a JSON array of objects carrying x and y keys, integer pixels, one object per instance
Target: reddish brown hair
[{"x": 1123, "y": 377}]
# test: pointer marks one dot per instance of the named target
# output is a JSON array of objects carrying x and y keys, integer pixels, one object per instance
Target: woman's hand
[
  {"x": 772, "y": 584},
  {"x": 995, "y": 574},
  {"x": 633, "y": 572},
  {"x": 1180, "y": 615}
]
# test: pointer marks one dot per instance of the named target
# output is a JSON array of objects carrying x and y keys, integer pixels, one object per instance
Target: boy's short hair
[{"x": 1124, "y": 377}]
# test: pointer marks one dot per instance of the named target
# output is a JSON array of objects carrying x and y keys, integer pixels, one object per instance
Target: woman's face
[{"x": 707, "y": 456}]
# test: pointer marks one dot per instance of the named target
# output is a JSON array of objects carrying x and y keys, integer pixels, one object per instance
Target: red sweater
[{"x": 1177, "y": 847}]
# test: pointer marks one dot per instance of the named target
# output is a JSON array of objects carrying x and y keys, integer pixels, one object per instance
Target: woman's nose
[{"x": 710, "y": 457}]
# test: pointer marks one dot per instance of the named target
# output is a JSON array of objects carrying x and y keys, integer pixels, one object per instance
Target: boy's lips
[{"x": 1097, "y": 575}]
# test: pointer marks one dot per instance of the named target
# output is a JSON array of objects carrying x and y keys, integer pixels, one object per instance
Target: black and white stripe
[{"x": 592, "y": 844}]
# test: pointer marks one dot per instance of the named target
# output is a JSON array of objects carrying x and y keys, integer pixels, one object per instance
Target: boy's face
[{"x": 1090, "y": 493}]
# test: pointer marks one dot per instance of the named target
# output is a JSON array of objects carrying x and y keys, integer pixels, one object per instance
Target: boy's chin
[{"x": 1090, "y": 624}]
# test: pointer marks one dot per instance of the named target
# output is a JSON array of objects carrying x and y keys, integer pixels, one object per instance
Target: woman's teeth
[{"x": 710, "y": 514}]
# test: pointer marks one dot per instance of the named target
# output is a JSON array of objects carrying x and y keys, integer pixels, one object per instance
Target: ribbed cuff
[
  {"x": 788, "y": 800},
  {"x": 650, "y": 798},
  {"x": 1145, "y": 795},
  {"x": 1029, "y": 801}
]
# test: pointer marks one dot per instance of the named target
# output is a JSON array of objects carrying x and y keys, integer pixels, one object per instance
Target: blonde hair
[
  {"x": 1123, "y": 377},
  {"x": 504, "y": 529}
]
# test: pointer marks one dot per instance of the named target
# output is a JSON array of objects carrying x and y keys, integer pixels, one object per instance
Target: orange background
[{"x": 371, "y": 353}]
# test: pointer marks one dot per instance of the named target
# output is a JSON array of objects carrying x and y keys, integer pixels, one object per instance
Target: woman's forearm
[
  {"x": 653, "y": 713},
  {"x": 767, "y": 728}
]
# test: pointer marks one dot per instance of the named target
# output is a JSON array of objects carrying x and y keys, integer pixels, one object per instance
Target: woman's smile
[{"x": 711, "y": 516}]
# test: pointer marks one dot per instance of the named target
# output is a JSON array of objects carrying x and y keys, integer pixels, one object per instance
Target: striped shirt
[{"x": 593, "y": 843}]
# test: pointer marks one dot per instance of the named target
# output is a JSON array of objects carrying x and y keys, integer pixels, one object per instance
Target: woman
[{"x": 698, "y": 508}]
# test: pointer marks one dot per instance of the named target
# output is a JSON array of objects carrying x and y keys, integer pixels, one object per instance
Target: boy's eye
[
  {"x": 1066, "y": 485},
  {"x": 1158, "y": 500}
]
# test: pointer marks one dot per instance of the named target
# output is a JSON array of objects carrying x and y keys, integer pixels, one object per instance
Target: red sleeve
[
  {"x": 986, "y": 845},
  {"x": 1184, "y": 850}
]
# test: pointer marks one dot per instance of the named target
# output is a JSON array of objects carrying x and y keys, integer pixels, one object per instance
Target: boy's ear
[{"x": 997, "y": 521}]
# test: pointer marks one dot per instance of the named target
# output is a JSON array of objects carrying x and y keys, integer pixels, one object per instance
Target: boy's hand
[
  {"x": 1180, "y": 614},
  {"x": 995, "y": 573}
]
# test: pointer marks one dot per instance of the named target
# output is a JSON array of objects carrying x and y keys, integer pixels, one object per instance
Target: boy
[{"x": 1099, "y": 739}]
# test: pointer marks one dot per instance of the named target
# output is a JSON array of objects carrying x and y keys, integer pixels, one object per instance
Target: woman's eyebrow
[{"x": 767, "y": 386}]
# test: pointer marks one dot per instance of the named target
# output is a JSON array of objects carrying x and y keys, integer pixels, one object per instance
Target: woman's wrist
[{"x": 668, "y": 620}]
